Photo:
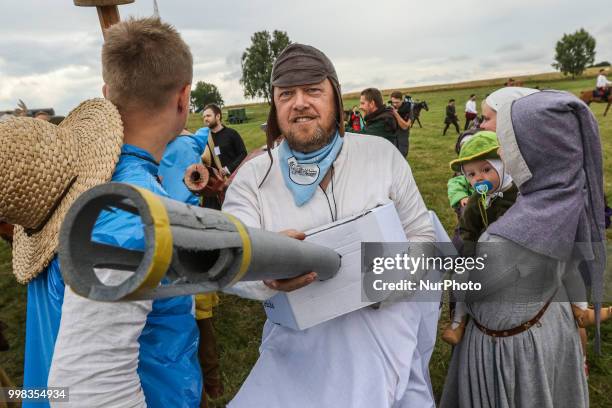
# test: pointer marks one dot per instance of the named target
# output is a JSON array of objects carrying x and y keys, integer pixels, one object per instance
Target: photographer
[{"x": 402, "y": 110}]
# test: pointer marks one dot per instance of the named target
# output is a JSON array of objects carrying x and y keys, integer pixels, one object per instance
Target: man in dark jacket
[
  {"x": 451, "y": 117},
  {"x": 379, "y": 119},
  {"x": 402, "y": 110}
]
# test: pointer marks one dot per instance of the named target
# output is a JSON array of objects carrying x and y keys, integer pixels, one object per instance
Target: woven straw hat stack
[{"x": 44, "y": 168}]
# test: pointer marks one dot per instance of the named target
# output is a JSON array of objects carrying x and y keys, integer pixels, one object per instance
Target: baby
[{"x": 494, "y": 194}]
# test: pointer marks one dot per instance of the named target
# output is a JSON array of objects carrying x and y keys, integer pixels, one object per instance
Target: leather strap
[
  {"x": 215, "y": 158},
  {"x": 518, "y": 329}
]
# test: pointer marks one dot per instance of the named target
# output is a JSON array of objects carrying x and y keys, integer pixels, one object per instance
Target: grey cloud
[
  {"x": 509, "y": 48},
  {"x": 27, "y": 55},
  {"x": 441, "y": 78},
  {"x": 232, "y": 76},
  {"x": 452, "y": 41},
  {"x": 533, "y": 56},
  {"x": 353, "y": 86},
  {"x": 377, "y": 80},
  {"x": 234, "y": 58},
  {"x": 513, "y": 53},
  {"x": 489, "y": 63},
  {"x": 458, "y": 58},
  {"x": 606, "y": 29}
]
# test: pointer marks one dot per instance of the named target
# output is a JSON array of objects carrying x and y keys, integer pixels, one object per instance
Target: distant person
[
  {"x": 356, "y": 121},
  {"x": 451, "y": 117},
  {"x": 402, "y": 110},
  {"x": 379, "y": 119},
  {"x": 603, "y": 85},
  {"x": 229, "y": 146},
  {"x": 42, "y": 115},
  {"x": 471, "y": 112}
]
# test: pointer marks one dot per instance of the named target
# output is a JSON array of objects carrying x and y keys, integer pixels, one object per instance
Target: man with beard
[
  {"x": 229, "y": 146},
  {"x": 379, "y": 119},
  {"x": 228, "y": 143},
  {"x": 318, "y": 174}
]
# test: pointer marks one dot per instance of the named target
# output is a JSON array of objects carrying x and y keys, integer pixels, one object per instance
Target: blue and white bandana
[{"x": 303, "y": 172}]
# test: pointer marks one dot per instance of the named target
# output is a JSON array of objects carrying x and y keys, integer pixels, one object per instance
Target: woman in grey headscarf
[
  {"x": 521, "y": 347},
  {"x": 496, "y": 100}
]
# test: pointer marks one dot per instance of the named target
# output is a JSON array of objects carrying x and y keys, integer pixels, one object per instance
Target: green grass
[{"x": 239, "y": 321}]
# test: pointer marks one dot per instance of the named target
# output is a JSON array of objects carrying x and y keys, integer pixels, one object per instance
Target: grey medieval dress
[{"x": 540, "y": 367}]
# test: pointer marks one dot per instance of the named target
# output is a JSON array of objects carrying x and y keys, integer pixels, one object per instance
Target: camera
[{"x": 405, "y": 108}]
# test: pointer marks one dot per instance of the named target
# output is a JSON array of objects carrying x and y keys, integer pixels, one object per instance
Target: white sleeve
[
  {"x": 241, "y": 197},
  {"x": 96, "y": 352},
  {"x": 241, "y": 201},
  {"x": 409, "y": 203},
  {"x": 253, "y": 290}
]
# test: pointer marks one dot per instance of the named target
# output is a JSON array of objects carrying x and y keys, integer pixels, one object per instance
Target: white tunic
[
  {"x": 470, "y": 106},
  {"x": 367, "y": 358},
  {"x": 602, "y": 81}
]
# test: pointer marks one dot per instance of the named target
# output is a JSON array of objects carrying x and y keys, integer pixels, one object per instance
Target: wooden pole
[
  {"x": 108, "y": 16},
  {"x": 108, "y": 12}
]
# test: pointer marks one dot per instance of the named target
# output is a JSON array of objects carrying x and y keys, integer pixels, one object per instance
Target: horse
[
  {"x": 588, "y": 97},
  {"x": 416, "y": 111}
]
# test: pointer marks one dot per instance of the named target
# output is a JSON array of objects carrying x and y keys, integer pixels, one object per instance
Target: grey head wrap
[
  {"x": 552, "y": 149},
  {"x": 300, "y": 64}
]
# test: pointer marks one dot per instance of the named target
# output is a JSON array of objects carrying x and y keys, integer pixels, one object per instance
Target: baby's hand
[{"x": 464, "y": 201}]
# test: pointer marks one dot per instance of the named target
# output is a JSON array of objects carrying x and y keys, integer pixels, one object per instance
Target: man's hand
[
  {"x": 400, "y": 121},
  {"x": 288, "y": 285}
]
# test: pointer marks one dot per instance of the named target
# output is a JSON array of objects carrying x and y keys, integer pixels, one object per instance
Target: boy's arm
[
  {"x": 97, "y": 350},
  {"x": 458, "y": 188}
]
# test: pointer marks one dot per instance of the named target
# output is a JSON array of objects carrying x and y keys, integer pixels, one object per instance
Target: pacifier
[{"x": 483, "y": 187}]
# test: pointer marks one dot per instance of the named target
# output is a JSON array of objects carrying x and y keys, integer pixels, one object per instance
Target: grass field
[{"x": 239, "y": 321}]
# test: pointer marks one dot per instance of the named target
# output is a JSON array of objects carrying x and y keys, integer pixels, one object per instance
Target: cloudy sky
[{"x": 50, "y": 50}]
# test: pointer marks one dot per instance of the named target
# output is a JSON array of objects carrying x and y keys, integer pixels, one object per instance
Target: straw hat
[{"x": 44, "y": 168}]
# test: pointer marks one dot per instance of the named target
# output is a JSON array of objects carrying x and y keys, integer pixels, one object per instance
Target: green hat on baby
[{"x": 482, "y": 146}]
